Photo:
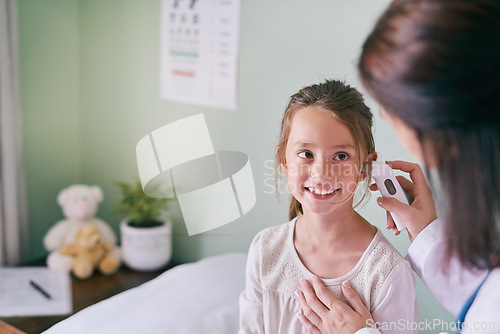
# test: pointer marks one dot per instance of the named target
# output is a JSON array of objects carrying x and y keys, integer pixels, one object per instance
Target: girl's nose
[{"x": 322, "y": 169}]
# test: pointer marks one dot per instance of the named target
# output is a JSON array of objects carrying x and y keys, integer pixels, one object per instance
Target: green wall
[
  {"x": 49, "y": 45},
  {"x": 90, "y": 91}
]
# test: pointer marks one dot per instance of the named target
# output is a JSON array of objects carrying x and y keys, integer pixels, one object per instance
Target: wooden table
[{"x": 85, "y": 293}]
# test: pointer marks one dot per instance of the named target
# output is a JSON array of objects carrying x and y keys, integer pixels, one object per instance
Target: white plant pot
[{"x": 146, "y": 248}]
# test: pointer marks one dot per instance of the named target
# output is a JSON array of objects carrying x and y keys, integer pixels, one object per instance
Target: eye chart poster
[{"x": 199, "y": 51}]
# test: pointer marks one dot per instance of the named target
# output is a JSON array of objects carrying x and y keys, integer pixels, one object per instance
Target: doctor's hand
[
  {"x": 422, "y": 210},
  {"x": 324, "y": 313}
]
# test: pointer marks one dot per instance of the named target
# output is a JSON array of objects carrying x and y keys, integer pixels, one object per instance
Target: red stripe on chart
[{"x": 183, "y": 73}]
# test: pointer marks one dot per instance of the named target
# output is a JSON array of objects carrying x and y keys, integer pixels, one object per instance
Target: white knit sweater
[{"x": 382, "y": 278}]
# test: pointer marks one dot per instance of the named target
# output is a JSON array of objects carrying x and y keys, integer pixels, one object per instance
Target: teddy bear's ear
[
  {"x": 97, "y": 193},
  {"x": 63, "y": 196}
]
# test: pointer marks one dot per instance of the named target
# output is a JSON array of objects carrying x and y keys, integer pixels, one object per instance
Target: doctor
[{"x": 434, "y": 67}]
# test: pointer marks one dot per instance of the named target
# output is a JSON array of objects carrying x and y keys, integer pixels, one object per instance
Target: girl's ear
[
  {"x": 367, "y": 165},
  {"x": 372, "y": 157},
  {"x": 284, "y": 167}
]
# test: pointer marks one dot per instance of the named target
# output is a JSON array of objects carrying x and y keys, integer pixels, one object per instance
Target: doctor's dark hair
[
  {"x": 343, "y": 102},
  {"x": 435, "y": 64}
]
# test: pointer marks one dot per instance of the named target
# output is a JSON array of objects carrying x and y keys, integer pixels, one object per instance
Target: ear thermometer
[{"x": 389, "y": 186}]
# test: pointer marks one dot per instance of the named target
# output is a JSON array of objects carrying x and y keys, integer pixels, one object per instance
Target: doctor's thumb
[{"x": 393, "y": 205}]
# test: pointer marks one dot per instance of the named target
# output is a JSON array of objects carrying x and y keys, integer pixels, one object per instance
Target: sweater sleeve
[
  {"x": 450, "y": 282},
  {"x": 251, "y": 307},
  {"x": 395, "y": 308}
]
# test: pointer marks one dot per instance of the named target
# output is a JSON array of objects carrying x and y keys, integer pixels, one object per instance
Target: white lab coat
[{"x": 452, "y": 286}]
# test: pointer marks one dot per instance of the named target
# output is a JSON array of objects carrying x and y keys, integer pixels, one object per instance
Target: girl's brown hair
[
  {"x": 435, "y": 65},
  {"x": 346, "y": 104}
]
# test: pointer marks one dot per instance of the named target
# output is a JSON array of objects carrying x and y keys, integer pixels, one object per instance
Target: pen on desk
[{"x": 40, "y": 289}]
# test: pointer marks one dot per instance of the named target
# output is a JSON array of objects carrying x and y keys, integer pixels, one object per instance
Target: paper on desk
[{"x": 19, "y": 298}]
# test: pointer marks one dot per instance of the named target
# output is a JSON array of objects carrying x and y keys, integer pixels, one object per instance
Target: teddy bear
[
  {"x": 90, "y": 251},
  {"x": 79, "y": 203}
]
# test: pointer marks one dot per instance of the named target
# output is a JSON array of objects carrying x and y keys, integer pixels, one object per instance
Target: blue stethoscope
[{"x": 467, "y": 305}]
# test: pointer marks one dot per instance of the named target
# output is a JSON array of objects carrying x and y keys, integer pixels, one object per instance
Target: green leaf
[{"x": 137, "y": 205}]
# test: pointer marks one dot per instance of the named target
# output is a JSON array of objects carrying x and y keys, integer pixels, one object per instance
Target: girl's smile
[{"x": 322, "y": 192}]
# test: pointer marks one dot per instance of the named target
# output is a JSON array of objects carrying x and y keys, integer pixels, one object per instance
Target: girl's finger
[
  {"x": 312, "y": 300},
  {"x": 325, "y": 297},
  {"x": 308, "y": 313},
  {"x": 354, "y": 300},
  {"x": 309, "y": 326}
]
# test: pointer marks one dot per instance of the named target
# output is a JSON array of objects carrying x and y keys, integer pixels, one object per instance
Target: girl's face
[{"x": 320, "y": 161}]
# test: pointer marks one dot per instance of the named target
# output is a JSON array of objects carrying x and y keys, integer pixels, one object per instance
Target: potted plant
[{"x": 146, "y": 237}]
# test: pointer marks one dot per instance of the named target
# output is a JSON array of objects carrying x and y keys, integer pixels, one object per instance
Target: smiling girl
[{"x": 325, "y": 141}]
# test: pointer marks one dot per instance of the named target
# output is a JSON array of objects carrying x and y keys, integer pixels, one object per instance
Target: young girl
[{"x": 325, "y": 141}]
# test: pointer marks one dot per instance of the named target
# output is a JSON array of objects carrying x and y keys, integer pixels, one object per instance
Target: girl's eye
[
  {"x": 306, "y": 155},
  {"x": 342, "y": 156}
]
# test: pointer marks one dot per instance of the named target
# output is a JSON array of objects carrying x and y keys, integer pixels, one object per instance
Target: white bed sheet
[{"x": 199, "y": 297}]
